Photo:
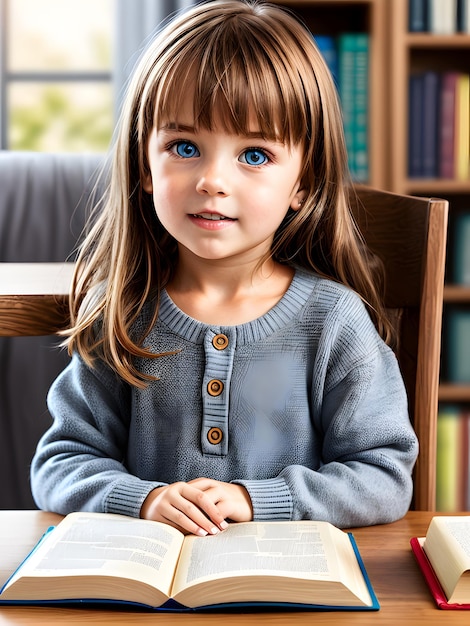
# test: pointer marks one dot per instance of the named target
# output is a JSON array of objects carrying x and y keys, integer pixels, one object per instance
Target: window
[{"x": 56, "y": 79}]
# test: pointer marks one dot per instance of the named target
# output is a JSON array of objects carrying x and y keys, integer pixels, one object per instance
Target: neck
[{"x": 227, "y": 293}]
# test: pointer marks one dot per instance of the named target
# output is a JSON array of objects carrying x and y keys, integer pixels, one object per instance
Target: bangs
[{"x": 238, "y": 78}]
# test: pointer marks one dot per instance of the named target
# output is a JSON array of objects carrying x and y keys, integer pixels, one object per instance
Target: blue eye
[
  {"x": 254, "y": 156},
  {"x": 185, "y": 149}
]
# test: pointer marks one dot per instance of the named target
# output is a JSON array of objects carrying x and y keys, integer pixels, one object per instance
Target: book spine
[
  {"x": 430, "y": 124},
  {"x": 361, "y": 106},
  {"x": 346, "y": 84},
  {"x": 418, "y": 16},
  {"x": 415, "y": 126},
  {"x": 443, "y": 17},
  {"x": 461, "y": 249},
  {"x": 327, "y": 47},
  {"x": 457, "y": 329},
  {"x": 463, "y": 16},
  {"x": 447, "y": 465},
  {"x": 447, "y": 125},
  {"x": 462, "y": 127}
]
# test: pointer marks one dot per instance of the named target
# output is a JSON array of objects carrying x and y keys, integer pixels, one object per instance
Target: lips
[{"x": 213, "y": 217}]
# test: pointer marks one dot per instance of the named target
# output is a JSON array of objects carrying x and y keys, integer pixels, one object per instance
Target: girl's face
[{"x": 221, "y": 195}]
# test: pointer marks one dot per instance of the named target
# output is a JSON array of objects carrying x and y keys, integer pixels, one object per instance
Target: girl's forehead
[{"x": 179, "y": 113}]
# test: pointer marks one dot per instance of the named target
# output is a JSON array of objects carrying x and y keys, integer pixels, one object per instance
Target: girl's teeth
[{"x": 211, "y": 216}]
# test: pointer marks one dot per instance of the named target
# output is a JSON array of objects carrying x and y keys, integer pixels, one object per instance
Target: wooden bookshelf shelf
[
  {"x": 441, "y": 42},
  {"x": 457, "y": 293},
  {"x": 435, "y": 186},
  {"x": 454, "y": 393}
]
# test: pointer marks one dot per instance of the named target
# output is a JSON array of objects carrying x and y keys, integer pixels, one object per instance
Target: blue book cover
[
  {"x": 327, "y": 46},
  {"x": 418, "y": 20},
  {"x": 431, "y": 106},
  {"x": 415, "y": 125}
]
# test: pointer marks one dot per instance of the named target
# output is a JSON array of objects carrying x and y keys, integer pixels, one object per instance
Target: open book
[
  {"x": 444, "y": 558},
  {"x": 113, "y": 558}
]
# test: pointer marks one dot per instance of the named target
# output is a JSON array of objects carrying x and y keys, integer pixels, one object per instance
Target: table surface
[
  {"x": 34, "y": 298},
  {"x": 403, "y": 595},
  {"x": 35, "y": 279}
]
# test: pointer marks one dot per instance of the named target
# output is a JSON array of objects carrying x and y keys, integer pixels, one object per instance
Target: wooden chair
[{"x": 409, "y": 235}]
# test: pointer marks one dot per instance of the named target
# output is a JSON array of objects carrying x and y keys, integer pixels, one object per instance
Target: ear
[
  {"x": 298, "y": 200},
  {"x": 147, "y": 184}
]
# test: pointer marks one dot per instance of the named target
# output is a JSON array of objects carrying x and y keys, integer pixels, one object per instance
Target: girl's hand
[
  {"x": 184, "y": 506},
  {"x": 233, "y": 501}
]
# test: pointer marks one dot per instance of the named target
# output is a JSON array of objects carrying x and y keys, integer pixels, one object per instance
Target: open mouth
[{"x": 213, "y": 217}]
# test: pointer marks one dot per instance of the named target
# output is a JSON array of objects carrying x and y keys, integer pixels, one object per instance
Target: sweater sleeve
[
  {"x": 368, "y": 447},
  {"x": 79, "y": 461}
]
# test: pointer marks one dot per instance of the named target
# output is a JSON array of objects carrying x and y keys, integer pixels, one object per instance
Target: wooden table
[
  {"x": 34, "y": 298},
  {"x": 400, "y": 588}
]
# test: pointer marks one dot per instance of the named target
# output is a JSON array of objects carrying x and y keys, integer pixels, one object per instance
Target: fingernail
[
  {"x": 223, "y": 525},
  {"x": 201, "y": 532},
  {"x": 214, "y": 530}
]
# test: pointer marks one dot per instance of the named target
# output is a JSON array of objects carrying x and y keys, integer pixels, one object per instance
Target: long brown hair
[{"x": 242, "y": 58}]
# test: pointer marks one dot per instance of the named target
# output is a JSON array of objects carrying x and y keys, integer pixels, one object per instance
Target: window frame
[{"x": 35, "y": 76}]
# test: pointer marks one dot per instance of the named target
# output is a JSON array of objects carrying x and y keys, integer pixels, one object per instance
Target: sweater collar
[{"x": 278, "y": 317}]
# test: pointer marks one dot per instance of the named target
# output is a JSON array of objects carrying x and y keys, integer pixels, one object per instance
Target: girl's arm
[
  {"x": 79, "y": 462},
  {"x": 368, "y": 448}
]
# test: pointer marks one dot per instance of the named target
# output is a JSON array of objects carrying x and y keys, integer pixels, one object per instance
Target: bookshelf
[
  {"x": 335, "y": 17},
  {"x": 414, "y": 53},
  {"x": 411, "y": 53}
]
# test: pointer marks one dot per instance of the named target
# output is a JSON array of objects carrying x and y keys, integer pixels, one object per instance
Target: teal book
[
  {"x": 353, "y": 86},
  {"x": 346, "y": 88},
  {"x": 457, "y": 325},
  {"x": 99, "y": 558},
  {"x": 361, "y": 108},
  {"x": 461, "y": 249}
]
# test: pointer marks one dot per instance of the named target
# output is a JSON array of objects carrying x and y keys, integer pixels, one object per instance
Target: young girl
[{"x": 226, "y": 363}]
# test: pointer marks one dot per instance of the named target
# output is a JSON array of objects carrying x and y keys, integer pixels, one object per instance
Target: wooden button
[
  {"x": 215, "y": 387},
  {"x": 220, "y": 342},
  {"x": 215, "y": 436}
]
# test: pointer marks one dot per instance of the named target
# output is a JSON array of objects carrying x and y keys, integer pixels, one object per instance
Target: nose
[{"x": 214, "y": 179}]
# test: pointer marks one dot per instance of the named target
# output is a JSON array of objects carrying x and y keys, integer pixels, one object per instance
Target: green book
[{"x": 447, "y": 459}]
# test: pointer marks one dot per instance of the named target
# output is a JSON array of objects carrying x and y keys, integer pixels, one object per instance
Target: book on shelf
[
  {"x": 442, "y": 17},
  {"x": 439, "y": 125},
  {"x": 461, "y": 249},
  {"x": 447, "y": 124},
  {"x": 418, "y": 18},
  {"x": 463, "y": 16},
  {"x": 462, "y": 123},
  {"x": 415, "y": 125},
  {"x": 457, "y": 337},
  {"x": 430, "y": 113},
  {"x": 113, "y": 559},
  {"x": 444, "y": 559},
  {"x": 452, "y": 456},
  {"x": 353, "y": 87},
  {"x": 327, "y": 46}
]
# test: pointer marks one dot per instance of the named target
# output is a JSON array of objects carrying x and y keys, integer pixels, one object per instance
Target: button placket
[{"x": 219, "y": 351}]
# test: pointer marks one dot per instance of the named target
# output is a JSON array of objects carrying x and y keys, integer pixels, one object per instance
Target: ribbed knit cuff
[
  {"x": 271, "y": 499},
  {"x": 127, "y": 496}
]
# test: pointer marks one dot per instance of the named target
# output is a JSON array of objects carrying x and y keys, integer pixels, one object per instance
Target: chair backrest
[{"x": 409, "y": 235}]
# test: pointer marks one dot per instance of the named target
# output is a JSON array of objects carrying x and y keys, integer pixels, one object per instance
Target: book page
[
  {"x": 107, "y": 545},
  {"x": 447, "y": 546},
  {"x": 306, "y": 550}
]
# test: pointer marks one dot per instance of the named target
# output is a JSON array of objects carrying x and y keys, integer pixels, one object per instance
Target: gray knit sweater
[{"x": 304, "y": 406}]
